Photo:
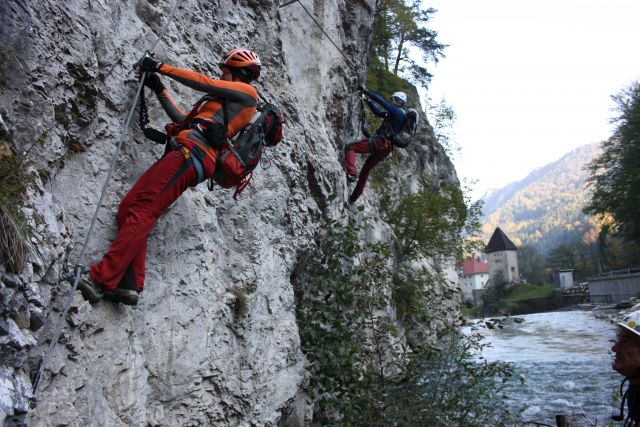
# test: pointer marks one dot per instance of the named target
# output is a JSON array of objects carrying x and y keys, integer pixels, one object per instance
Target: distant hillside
[{"x": 545, "y": 208}]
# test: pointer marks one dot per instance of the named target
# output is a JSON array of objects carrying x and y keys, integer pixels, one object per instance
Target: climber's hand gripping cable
[{"x": 147, "y": 63}]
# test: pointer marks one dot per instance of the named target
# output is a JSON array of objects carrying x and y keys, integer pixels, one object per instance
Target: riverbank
[{"x": 525, "y": 299}]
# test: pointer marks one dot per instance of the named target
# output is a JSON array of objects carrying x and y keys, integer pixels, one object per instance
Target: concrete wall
[{"x": 614, "y": 288}]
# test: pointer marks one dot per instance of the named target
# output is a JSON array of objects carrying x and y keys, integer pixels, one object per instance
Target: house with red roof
[{"x": 473, "y": 274}]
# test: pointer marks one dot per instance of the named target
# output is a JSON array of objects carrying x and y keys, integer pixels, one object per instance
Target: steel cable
[{"x": 79, "y": 268}]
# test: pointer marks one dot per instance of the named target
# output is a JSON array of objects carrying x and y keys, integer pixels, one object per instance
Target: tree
[
  {"x": 615, "y": 174},
  {"x": 399, "y": 27},
  {"x": 531, "y": 264},
  {"x": 444, "y": 118},
  {"x": 564, "y": 255}
]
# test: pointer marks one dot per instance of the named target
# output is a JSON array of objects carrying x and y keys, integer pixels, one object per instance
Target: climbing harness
[
  {"x": 80, "y": 268},
  {"x": 236, "y": 157}
]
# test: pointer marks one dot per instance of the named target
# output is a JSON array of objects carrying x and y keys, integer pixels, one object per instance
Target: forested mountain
[{"x": 544, "y": 209}]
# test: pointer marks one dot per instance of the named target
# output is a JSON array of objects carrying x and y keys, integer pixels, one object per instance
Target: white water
[{"x": 565, "y": 359}]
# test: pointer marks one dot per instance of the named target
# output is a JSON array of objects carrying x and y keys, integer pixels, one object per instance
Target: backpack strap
[{"x": 174, "y": 128}]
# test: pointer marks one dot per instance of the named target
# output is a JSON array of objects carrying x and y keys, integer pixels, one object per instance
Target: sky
[{"x": 530, "y": 80}]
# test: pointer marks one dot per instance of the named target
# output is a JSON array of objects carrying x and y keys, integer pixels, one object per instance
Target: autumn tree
[
  {"x": 615, "y": 174},
  {"x": 399, "y": 32}
]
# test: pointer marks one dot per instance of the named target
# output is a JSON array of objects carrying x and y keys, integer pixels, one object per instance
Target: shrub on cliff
[{"x": 379, "y": 333}]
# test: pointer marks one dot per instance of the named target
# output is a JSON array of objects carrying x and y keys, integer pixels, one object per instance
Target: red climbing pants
[
  {"x": 378, "y": 146},
  {"x": 139, "y": 211}
]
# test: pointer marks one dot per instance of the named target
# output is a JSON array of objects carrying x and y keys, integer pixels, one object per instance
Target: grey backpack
[{"x": 409, "y": 129}]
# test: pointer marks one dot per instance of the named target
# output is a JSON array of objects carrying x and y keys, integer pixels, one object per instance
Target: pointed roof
[{"x": 499, "y": 242}]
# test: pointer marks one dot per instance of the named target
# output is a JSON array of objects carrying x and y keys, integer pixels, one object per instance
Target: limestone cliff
[{"x": 214, "y": 339}]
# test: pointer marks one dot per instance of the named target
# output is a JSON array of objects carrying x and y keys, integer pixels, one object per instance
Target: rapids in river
[{"x": 562, "y": 364}]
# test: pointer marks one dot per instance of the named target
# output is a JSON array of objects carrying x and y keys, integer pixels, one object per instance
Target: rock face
[{"x": 214, "y": 339}]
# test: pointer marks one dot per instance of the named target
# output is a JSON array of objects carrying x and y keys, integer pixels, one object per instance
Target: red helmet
[{"x": 244, "y": 62}]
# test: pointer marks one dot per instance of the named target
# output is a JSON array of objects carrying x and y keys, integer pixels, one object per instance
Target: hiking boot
[
  {"x": 352, "y": 177},
  {"x": 127, "y": 291},
  {"x": 352, "y": 199},
  {"x": 91, "y": 291},
  {"x": 125, "y": 296}
]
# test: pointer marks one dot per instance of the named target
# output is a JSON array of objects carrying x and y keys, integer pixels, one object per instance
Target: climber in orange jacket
[{"x": 192, "y": 159}]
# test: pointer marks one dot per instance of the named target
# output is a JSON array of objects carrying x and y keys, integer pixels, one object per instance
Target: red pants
[
  {"x": 378, "y": 146},
  {"x": 139, "y": 211}
]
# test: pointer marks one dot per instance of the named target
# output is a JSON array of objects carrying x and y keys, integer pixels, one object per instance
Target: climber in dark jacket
[
  {"x": 379, "y": 145},
  {"x": 121, "y": 272},
  {"x": 627, "y": 363}
]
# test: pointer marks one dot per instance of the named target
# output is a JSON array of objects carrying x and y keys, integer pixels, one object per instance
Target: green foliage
[
  {"x": 454, "y": 388},
  {"x": 383, "y": 82},
  {"x": 615, "y": 174},
  {"x": 431, "y": 223},
  {"x": 340, "y": 327},
  {"x": 399, "y": 26},
  {"x": 519, "y": 298},
  {"x": 383, "y": 346},
  {"x": 531, "y": 264},
  {"x": 492, "y": 299},
  {"x": 364, "y": 368},
  {"x": 443, "y": 118},
  {"x": 526, "y": 291},
  {"x": 574, "y": 255}
]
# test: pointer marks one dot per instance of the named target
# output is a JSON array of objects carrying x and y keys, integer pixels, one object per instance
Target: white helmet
[
  {"x": 399, "y": 95},
  {"x": 632, "y": 322}
]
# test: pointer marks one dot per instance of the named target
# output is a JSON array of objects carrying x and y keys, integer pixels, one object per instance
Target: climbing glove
[
  {"x": 363, "y": 92},
  {"x": 154, "y": 83},
  {"x": 148, "y": 64}
]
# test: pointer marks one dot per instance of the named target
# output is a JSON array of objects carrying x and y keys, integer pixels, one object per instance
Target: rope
[
  {"x": 351, "y": 66},
  {"x": 80, "y": 268},
  {"x": 158, "y": 37},
  {"x": 348, "y": 61}
]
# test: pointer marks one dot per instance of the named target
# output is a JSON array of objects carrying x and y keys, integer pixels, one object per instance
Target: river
[{"x": 565, "y": 361}]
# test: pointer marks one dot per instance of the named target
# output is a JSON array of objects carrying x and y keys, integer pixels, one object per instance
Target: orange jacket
[{"x": 242, "y": 99}]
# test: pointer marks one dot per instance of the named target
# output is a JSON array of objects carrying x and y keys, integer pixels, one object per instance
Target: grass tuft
[{"x": 13, "y": 235}]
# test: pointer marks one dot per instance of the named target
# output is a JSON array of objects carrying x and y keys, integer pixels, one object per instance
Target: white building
[
  {"x": 472, "y": 275},
  {"x": 503, "y": 258},
  {"x": 563, "y": 278}
]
